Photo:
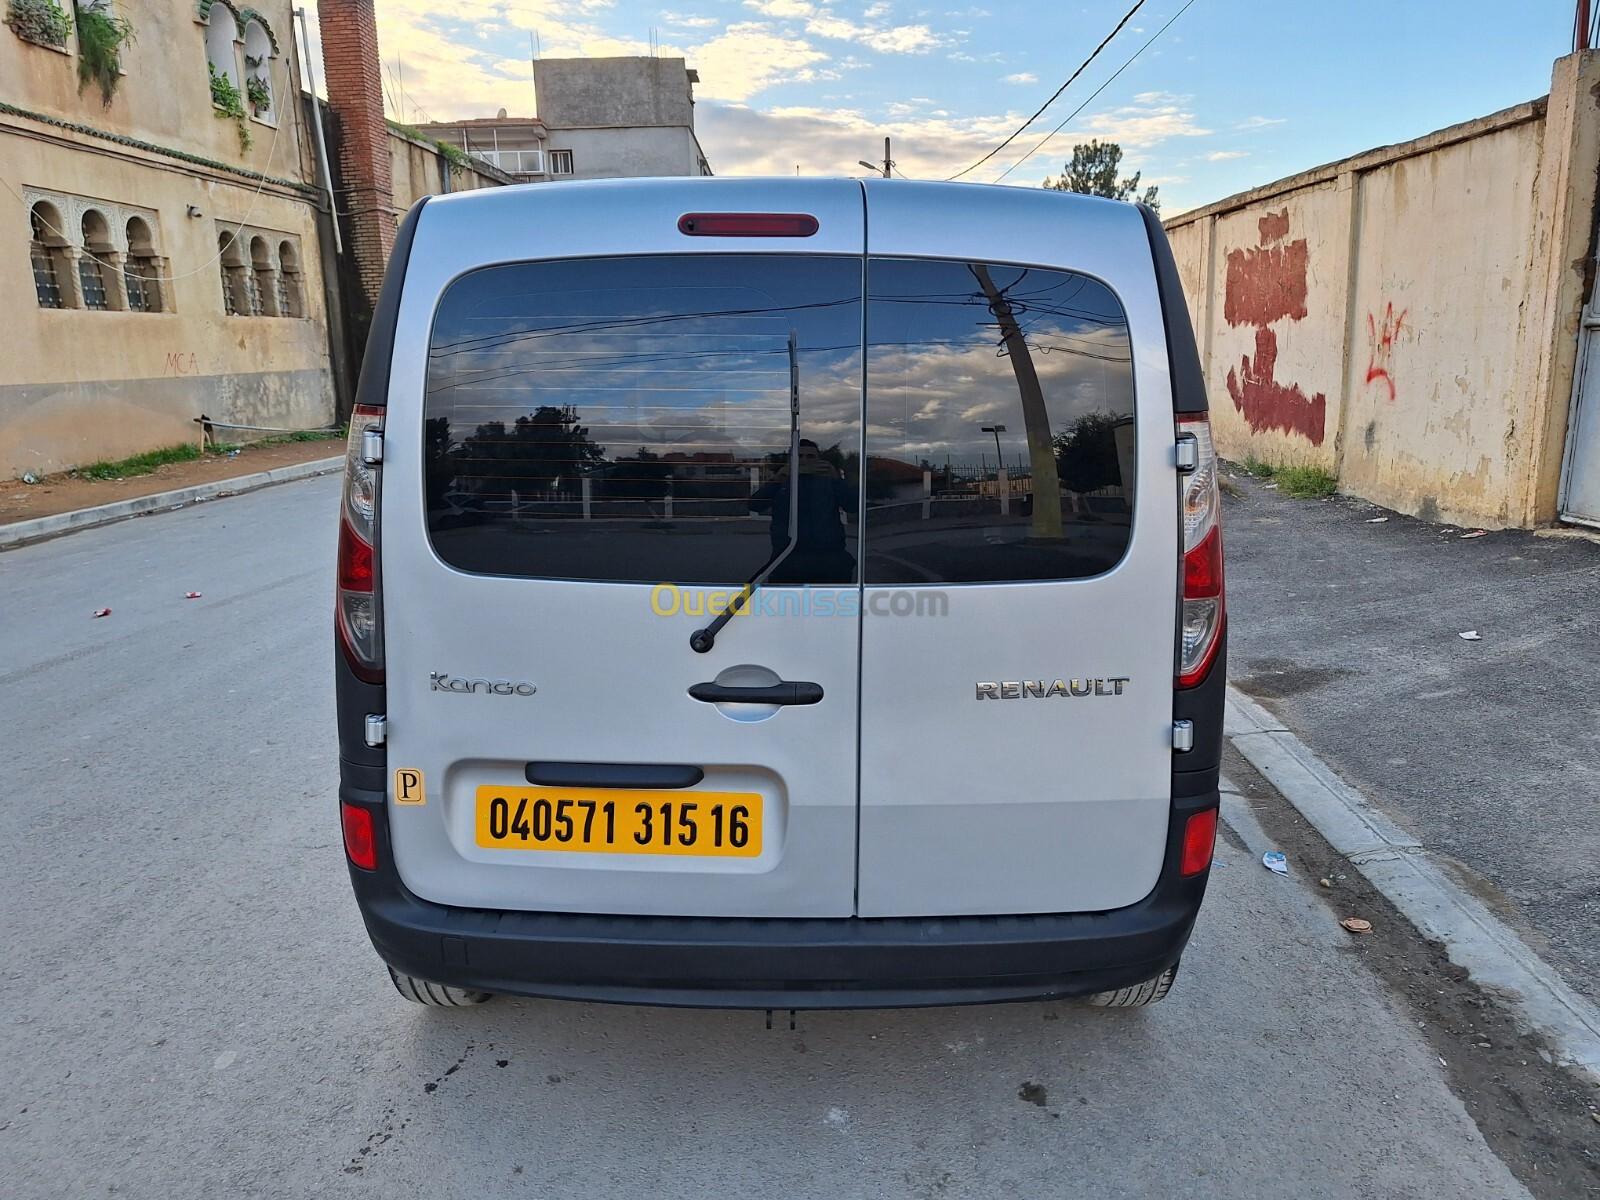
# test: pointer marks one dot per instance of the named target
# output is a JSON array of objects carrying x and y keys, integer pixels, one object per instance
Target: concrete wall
[
  {"x": 165, "y": 94},
  {"x": 613, "y": 91},
  {"x": 81, "y": 385},
  {"x": 627, "y": 153},
  {"x": 1407, "y": 318},
  {"x": 418, "y": 168}
]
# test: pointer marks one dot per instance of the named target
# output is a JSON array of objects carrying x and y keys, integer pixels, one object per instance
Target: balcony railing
[{"x": 514, "y": 162}]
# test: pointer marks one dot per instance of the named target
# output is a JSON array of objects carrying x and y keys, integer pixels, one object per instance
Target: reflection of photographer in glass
[{"x": 819, "y": 554}]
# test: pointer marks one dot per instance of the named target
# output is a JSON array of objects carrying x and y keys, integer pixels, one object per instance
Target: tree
[
  {"x": 1093, "y": 172},
  {"x": 1086, "y": 455}
]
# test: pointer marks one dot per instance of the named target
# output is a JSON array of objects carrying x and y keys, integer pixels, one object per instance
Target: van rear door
[
  {"x": 1021, "y": 556},
  {"x": 594, "y": 421}
]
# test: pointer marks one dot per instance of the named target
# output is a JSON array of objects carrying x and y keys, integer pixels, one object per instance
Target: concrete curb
[
  {"x": 20, "y": 533},
  {"x": 1415, "y": 882}
]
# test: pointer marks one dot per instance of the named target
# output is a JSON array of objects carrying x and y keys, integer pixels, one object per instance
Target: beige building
[
  {"x": 162, "y": 247},
  {"x": 598, "y": 118},
  {"x": 1415, "y": 319}
]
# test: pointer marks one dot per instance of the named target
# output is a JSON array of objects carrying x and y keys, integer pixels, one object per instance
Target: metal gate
[{"x": 1580, "y": 471}]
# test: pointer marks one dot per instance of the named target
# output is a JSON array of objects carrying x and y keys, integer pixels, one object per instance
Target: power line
[
  {"x": 1039, "y": 145},
  {"x": 1082, "y": 67}
]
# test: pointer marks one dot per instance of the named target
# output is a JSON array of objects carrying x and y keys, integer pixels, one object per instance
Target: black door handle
[
  {"x": 777, "y": 693},
  {"x": 613, "y": 775}
]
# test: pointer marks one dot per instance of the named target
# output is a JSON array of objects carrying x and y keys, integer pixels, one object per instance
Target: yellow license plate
[{"x": 619, "y": 821}]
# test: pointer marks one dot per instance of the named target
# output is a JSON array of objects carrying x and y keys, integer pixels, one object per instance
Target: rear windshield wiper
[{"x": 701, "y": 640}]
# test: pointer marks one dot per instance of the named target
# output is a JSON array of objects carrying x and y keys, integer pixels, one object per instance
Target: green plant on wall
[
  {"x": 458, "y": 158},
  {"x": 259, "y": 94},
  {"x": 40, "y": 21},
  {"x": 101, "y": 38},
  {"x": 229, "y": 104}
]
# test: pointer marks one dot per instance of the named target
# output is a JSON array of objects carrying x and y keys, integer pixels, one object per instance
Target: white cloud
[
  {"x": 1225, "y": 155},
  {"x": 1259, "y": 122},
  {"x": 740, "y": 140},
  {"x": 747, "y": 58},
  {"x": 686, "y": 21},
  {"x": 823, "y": 22},
  {"x": 782, "y": 8},
  {"x": 1153, "y": 117},
  {"x": 1022, "y": 77}
]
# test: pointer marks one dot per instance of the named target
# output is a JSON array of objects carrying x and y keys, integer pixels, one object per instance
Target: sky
[{"x": 1232, "y": 95}]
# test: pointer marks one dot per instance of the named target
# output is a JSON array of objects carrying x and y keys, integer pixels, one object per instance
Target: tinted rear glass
[
  {"x": 1000, "y": 433},
  {"x": 629, "y": 419}
]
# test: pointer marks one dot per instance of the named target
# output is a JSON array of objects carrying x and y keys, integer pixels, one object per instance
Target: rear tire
[
  {"x": 435, "y": 995},
  {"x": 1137, "y": 996}
]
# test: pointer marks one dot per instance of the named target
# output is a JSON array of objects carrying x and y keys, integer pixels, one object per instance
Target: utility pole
[
  {"x": 1580, "y": 27},
  {"x": 888, "y": 162}
]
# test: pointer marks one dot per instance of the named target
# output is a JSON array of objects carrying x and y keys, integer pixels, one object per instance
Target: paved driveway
[
  {"x": 192, "y": 1010},
  {"x": 1488, "y": 751}
]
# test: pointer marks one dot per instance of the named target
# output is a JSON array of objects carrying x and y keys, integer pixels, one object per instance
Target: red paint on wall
[
  {"x": 1267, "y": 283},
  {"x": 1268, "y": 404},
  {"x": 1274, "y": 227},
  {"x": 1380, "y": 346}
]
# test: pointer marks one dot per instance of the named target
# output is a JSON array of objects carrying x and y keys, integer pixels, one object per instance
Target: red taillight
[
  {"x": 1199, "y": 837},
  {"x": 355, "y": 561},
  {"x": 1203, "y": 602},
  {"x": 736, "y": 224},
  {"x": 359, "y": 610},
  {"x": 360, "y": 839},
  {"x": 1202, "y": 568}
]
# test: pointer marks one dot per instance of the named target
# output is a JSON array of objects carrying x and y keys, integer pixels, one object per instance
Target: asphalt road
[
  {"x": 191, "y": 1008},
  {"x": 1346, "y": 621}
]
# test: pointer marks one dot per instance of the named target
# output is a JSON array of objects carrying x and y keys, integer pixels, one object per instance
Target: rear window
[
  {"x": 999, "y": 424},
  {"x": 629, "y": 420}
]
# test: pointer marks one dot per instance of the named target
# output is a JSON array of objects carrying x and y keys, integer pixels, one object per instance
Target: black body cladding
[{"x": 1183, "y": 357}]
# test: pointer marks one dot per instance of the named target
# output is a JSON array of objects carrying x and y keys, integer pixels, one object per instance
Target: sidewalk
[
  {"x": 65, "y": 493},
  {"x": 1486, "y": 751}
]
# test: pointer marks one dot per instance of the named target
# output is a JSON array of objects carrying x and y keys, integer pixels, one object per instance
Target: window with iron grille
[
  {"x": 93, "y": 283},
  {"x": 229, "y": 305},
  {"x": 46, "y": 286},
  {"x": 143, "y": 295},
  {"x": 268, "y": 284},
  {"x": 46, "y": 283},
  {"x": 252, "y": 292},
  {"x": 291, "y": 300}
]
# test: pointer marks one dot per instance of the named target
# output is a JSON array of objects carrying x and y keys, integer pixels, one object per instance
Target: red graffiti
[
  {"x": 1267, "y": 283},
  {"x": 1274, "y": 227},
  {"x": 1380, "y": 346},
  {"x": 1268, "y": 404}
]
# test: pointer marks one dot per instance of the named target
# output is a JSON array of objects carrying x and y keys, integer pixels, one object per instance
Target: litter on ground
[
  {"x": 1471, "y": 635},
  {"x": 1276, "y": 861},
  {"x": 101, "y": 612},
  {"x": 1357, "y": 924}
]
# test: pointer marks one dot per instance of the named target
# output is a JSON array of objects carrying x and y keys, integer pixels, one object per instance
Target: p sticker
[{"x": 408, "y": 787}]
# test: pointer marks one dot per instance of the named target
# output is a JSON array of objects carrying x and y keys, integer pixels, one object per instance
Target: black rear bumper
[{"x": 782, "y": 963}]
